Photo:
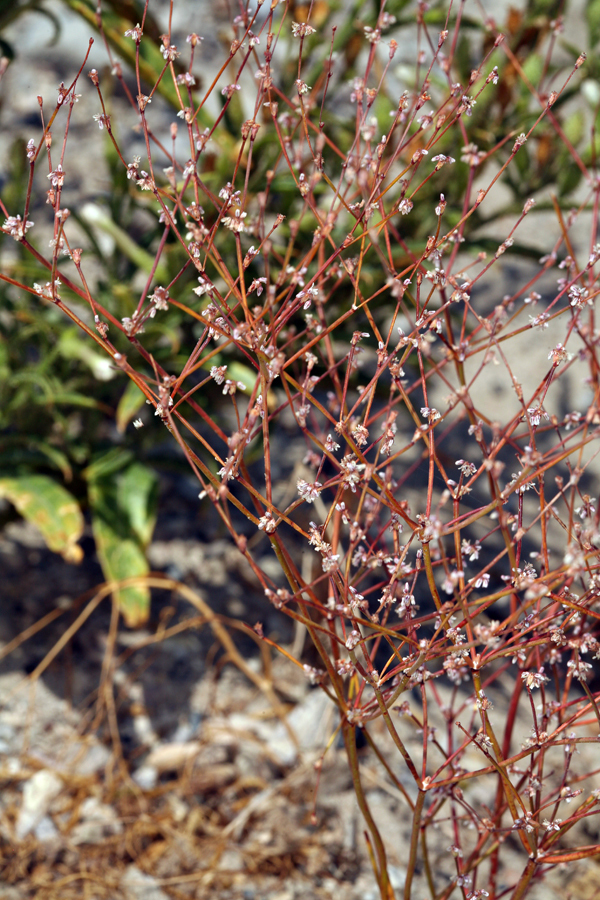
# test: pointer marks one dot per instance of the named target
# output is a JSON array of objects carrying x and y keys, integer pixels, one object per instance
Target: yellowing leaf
[{"x": 51, "y": 508}]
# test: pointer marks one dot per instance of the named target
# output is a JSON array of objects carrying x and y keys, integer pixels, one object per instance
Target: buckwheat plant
[{"x": 374, "y": 375}]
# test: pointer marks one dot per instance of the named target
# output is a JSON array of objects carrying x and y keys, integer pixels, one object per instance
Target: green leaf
[
  {"x": 238, "y": 371},
  {"x": 592, "y": 13},
  {"x": 574, "y": 127},
  {"x": 96, "y": 217},
  {"x": 124, "y": 501},
  {"x": 138, "y": 499},
  {"x": 72, "y": 398},
  {"x": 107, "y": 464},
  {"x": 130, "y": 404},
  {"x": 569, "y": 175},
  {"x": 151, "y": 63},
  {"x": 56, "y": 457},
  {"x": 122, "y": 558},
  {"x": 533, "y": 68},
  {"x": 51, "y": 508},
  {"x": 73, "y": 346}
]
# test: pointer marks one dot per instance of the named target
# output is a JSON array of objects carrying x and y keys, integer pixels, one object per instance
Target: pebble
[
  {"x": 97, "y": 821},
  {"x": 308, "y": 721},
  {"x": 146, "y": 777},
  {"x": 46, "y": 830},
  {"x": 231, "y": 861},
  {"x": 173, "y": 756},
  {"x": 136, "y": 885},
  {"x": 94, "y": 760},
  {"x": 38, "y": 793}
]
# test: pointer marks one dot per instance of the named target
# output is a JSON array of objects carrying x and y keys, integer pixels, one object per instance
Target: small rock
[
  {"x": 135, "y": 885},
  {"x": 10, "y": 893},
  {"x": 179, "y": 809},
  {"x": 214, "y": 778},
  {"x": 94, "y": 760},
  {"x": 172, "y": 757},
  {"x": 183, "y": 733},
  {"x": 308, "y": 721},
  {"x": 213, "y": 755},
  {"x": 38, "y": 793},
  {"x": 45, "y": 830},
  {"x": 146, "y": 777},
  {"x": 397, "y": 875},
  {"x": 7, "y": 732},
  {"x": 97, "y": 821},
  {"x": 144, "y": 731},
  {"x": 231, "y": 861},
  {"x": 11, "y": 765}
]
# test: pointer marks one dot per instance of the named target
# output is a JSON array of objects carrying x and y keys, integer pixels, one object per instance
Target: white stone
[
  {"x": 136, "y": 885},
  {"x": 38, "y": 793}
]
